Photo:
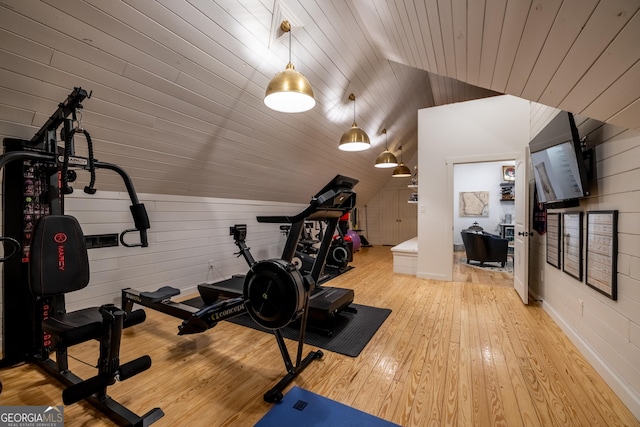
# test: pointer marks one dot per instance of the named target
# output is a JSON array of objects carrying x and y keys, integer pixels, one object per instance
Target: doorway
[{"x": 483, "y": 200}]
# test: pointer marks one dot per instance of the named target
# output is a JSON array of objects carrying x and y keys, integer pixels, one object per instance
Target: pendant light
[
  {"x": 289, "y": 91},
  {"x": 386, "y": 159},
  {"x": 355, "y": 139},
  {"x": 401, "y": 171}
]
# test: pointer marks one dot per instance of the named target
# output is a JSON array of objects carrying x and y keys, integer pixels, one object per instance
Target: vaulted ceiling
[{"x": 177, "y": 85}]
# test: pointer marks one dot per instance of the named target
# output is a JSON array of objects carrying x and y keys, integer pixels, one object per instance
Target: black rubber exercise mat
[{"x": 350, "y": 334}]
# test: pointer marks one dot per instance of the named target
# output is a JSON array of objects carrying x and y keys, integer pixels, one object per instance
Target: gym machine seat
[{"x": 59, "y": 265}]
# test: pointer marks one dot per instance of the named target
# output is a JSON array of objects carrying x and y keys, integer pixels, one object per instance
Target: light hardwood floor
[{"x": 451, "y": 353}]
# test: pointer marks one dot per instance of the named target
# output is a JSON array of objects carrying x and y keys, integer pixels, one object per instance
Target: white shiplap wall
[
  {"x": 186, "y": 232},
  {"x": 607, "y": 332}
]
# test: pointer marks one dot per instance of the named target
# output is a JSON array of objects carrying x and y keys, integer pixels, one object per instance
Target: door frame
[{"x": 451, "y": 162}]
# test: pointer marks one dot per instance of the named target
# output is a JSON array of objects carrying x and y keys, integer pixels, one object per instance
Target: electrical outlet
[{"x": 580, "y": 306}]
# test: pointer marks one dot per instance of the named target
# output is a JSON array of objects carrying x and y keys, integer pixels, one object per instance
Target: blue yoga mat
[{"x": 300, "y": 407}]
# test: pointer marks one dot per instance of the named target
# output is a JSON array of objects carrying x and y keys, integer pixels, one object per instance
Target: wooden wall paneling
[
  {"x": 515, "y": 18},
  {"x": 570, "y": 20},
  {"x": 427, "y": 41},
  {"x": 541, "y": 115},
  {"x": 614, "y": 61},
  {"x": 475, "y": 29},
  {"x": 602, "y": 26},
  {"x": 493, "y": 21},
  {"x": 435, "y": 35},
  {"x": 26, "y": 47},
  {"x": 29, "y": 20},
  {"x": 618, "y": 97},
  {"x": 460, "y": 32},
  {"x": 535, "y": 33},
  {"x": 14, "y": 98},
  {"x": 140, "y": 29},
  {"x": 623, "y": 118},
  {"x": 199, "y": 40},
  {"x": 334, "y": 53},
  {"x": 448, "y": 37},
  {"x": 402, "y": 18},
  {"x": 76, "y": 27},
  {"x": 16, "y": 115},
  {"x": 408, "y": 15}
]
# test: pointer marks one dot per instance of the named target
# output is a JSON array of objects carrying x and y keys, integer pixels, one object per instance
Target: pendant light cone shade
[
  {"x": 401, "y": 171},
  {"x": 289, "y": 91},
  {"x": 386, "y": 159},
  {"x": 354, "y": 139}
]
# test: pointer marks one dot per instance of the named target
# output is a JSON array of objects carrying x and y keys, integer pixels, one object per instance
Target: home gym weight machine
[
  {"x": 274, "y": 292},
  {"x": 48, "y": 258}
]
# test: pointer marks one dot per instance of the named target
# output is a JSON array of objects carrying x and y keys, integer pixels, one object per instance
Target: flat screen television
[{"x": 558, "y": 162}]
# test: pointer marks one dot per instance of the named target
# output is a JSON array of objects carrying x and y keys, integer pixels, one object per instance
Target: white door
[
  {"x": 389, "y": 217},
  {"x": 399, "y": 218},
  {"x": 408, "y": 216},
  {"x": 521, "y": 238}
]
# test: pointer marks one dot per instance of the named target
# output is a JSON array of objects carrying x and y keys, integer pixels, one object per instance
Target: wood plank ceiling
[{"x": 178, "y": 84}]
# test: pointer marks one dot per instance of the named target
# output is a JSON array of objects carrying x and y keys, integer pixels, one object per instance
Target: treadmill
[{"x": 333, "y": 201}]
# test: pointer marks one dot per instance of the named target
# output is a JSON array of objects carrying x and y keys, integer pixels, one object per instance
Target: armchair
[{"x": 484, "y": 247}]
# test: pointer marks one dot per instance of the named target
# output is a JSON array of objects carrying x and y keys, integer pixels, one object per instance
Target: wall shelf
[
  {"x": 411, "y": 200},
  {"x": 507, "y": 192}
]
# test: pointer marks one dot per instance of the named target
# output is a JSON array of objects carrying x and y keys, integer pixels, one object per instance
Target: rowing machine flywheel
[{"x": 274, "y": 293}]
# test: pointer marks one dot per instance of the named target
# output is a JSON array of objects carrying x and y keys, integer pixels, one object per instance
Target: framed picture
[
  {"x": 474, "y": 203},
  {"x": 508, "y": 173},
  {"x": 553, "y": 239},
  {"x": 602, "y": 251},
  {"x": 572, "y": 244}
]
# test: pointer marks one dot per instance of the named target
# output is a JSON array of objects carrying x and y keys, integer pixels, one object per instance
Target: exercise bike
[{"x": 274, "y": 292}]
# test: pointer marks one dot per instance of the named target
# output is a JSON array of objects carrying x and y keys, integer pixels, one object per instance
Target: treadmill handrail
[{"x": 316, "y": 205}]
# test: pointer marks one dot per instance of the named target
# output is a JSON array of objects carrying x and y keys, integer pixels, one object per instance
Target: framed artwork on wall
[
  {"x": 474, "y": 203},
  {"x": 602, "y": 252},
  {"x": 553, "y": 239},
  {"x": 508, "y": 173},
  {"x": 572, "y": 244}
]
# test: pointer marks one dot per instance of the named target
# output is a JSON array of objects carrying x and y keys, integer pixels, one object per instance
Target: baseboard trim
[
  {"x": 431, "y": 276},
  {"x": 630, "y": 398}
]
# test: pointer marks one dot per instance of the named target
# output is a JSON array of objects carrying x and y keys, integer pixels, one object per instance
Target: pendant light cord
[
  {"x": 289, "y": 46},
  {"x": 354, "y": 109}
]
